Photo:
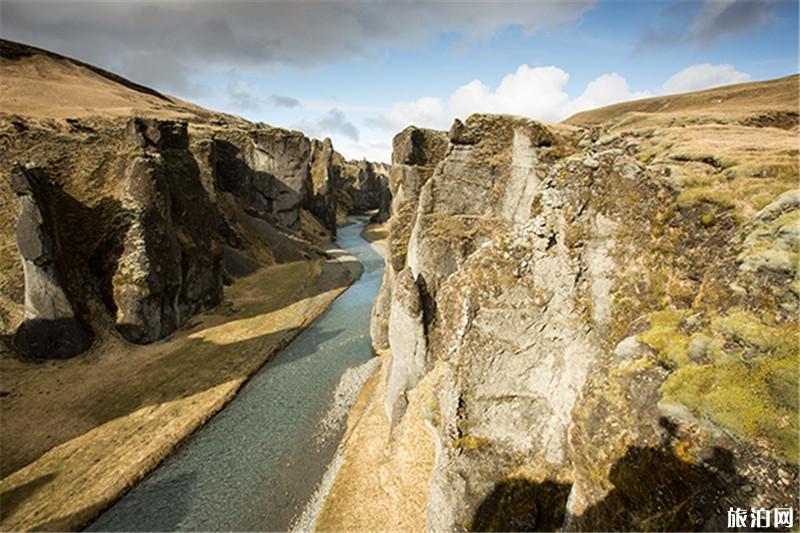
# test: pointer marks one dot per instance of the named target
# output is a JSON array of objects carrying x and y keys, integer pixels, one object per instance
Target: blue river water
[{"x": 254, "y": 466}]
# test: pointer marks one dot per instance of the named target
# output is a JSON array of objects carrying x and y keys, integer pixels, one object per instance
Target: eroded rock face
[
  {"x": 367, "y": 185},
  {"x": 158, "y": 134},
  {"x": 407, "y": 176},
  {"x": 324, "y": 178},
  {"x": 407, "y": 335},
  {"x": 275, "y": 173},
  {"x": 50, "y": 328},
  {"x": 169, "y": 267},
  {"x": 146, "y": 207},
  {"x": 572, "y": 311},
  {"x": 281, "y": 160}
]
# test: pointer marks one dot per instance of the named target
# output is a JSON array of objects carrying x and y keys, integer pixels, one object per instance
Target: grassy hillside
[
  {"x": 766, "y": 103},
  {"x": 43, "y": 84}
]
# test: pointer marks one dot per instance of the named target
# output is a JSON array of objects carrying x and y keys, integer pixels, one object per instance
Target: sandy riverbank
[{"x": 78, "y": 433}]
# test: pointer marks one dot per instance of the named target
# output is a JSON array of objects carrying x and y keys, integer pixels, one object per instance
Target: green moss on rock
[
  {"x": 751, "y": 389},
  {"x": 666, "y": 338}
]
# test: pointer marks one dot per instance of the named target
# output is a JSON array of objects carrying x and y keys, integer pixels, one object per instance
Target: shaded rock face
[
  {"x": 367, "y": 185},
  {"x": 158, "y": 134},
  {"x": 51, "y": 328},
  {"x": 157, "y": 215},
  {"x": 276, "y": 173},
  {"x": 572, "y": 311},
  {"x": 323, "y": 181},
  {"x": 284, "y": 155},
  {"x": 169, "y": 268}
]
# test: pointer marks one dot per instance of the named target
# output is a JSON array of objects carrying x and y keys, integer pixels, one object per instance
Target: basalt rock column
[
  {"x": 51, "y": 327},
  {"x": 323, "y": 175},
  {"x": 170, "y": 268}
]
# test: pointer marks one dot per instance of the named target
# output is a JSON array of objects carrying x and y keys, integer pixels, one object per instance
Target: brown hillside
[
  {"x": 775, "y": 98},
  {"x": 43, "y": 84}
]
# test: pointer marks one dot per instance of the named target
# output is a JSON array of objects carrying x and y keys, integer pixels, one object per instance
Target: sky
[{"x": 360, "y": 71}]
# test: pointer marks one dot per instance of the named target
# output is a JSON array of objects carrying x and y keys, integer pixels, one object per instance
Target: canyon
[
  {"x": 589, "y": 325},
  {"x": 154, "y": 256}
]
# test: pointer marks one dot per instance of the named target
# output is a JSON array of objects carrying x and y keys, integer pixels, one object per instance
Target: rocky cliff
[
  {"x": 608, "y": 314},
  {"x": 364, "y": 187},
  {"x": 133, "y": 218}
]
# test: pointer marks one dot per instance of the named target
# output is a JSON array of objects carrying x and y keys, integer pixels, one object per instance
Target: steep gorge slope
[
  {"x": 153, "y": 256},
  {"x": 598, "y": 324},
  {"x": 140, "y": 206}
]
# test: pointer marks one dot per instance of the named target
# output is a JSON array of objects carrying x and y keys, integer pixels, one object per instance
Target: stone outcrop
[
  {"x": 158, "y": 216},
  {"x": 51, "y": 327},
  {"x": 408, "y": 175},
  {"x": 367, "y": 186},
  {"x": 323, "y": 181},
  {"x": 276, "y": 173},
  {"x": 587, "y": 328},
  {"x": 267, "y": 169},
  {"x": 170, "y": 267}
]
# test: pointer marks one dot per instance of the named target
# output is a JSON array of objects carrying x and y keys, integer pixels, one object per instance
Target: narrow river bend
[{"x": 255, "y": 465}]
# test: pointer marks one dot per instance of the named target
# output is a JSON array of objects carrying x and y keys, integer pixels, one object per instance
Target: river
[{"x": 256, "y": 464}]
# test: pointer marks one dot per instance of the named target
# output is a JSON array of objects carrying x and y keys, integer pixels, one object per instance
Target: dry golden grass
[
  {"x": 738, "y": 167},
  {"x": 736, "y": 147},
  {"x": 376, "y": 233},
  {"x": 47, "y": 85},
  {"x": 733, "y": 101},
  {"x": 383, "y": 482},
  {"x": 78, "y": 433}
]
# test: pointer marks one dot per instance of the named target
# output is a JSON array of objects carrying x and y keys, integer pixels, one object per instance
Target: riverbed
[{"x": 256, "y": 464}]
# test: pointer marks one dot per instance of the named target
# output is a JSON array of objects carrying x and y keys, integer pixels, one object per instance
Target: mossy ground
[
  {"x": 725, "y": 336},
  {"x": 737, "y": 370}
]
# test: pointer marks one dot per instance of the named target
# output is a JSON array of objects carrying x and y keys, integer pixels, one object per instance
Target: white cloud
[
  {"x": 703, "y": 76},
  {"x": 605, "y": 90},
  {"x": 537, "y": 93},
  {"x": 371, "y": 150}
]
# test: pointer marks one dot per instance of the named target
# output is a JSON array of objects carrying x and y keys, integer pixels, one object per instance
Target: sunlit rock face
[{"x": 572, "y": 307}]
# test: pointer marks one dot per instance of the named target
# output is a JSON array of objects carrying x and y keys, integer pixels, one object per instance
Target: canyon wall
[
  {"x": 136, "y": 223},
  {"x": 364, "y": 187},
  {"x": 613, "y": 347}
]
